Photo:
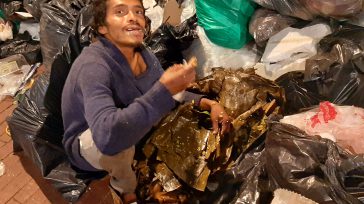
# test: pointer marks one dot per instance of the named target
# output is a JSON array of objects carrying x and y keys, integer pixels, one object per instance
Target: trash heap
[
  {"x": 289, "y": 73},
  {"x": 183, "y": 146}
]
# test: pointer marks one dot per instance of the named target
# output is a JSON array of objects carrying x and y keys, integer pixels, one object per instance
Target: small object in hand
[{"x": 193, "y": 62}]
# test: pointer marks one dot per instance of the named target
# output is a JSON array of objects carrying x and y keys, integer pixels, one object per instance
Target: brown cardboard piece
[{"x": 172, "y": 12}]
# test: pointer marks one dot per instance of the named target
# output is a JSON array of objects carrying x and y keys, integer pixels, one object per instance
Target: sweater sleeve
[
  {"x": 114, "y": 129},
  {"x": 190, "y": 97}
]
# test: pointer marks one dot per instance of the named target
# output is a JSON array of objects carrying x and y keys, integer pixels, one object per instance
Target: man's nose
[{"x": 131, "y": 16}]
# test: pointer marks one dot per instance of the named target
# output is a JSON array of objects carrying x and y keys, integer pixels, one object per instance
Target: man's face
[{"x": 125, "y": 23}]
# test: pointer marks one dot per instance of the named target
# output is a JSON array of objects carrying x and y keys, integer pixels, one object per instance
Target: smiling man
[{"x": 116, "y": 91}]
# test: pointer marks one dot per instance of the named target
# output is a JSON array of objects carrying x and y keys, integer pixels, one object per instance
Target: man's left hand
[{"x": 221, "y": 121}]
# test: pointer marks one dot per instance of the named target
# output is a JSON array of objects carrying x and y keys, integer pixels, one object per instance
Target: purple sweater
[{"x": 102, "y": 94}]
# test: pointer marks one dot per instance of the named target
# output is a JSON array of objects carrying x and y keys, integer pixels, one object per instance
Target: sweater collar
[
  {"x": 112, "y": 49},
  {"x": 119, "y": 57}
]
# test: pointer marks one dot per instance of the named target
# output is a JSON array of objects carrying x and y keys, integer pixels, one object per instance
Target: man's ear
[{"x": 102, "y": 30}]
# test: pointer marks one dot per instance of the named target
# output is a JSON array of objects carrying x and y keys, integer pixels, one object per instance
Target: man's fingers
[
  {"x": 190, "y": 75},
  {"x": 215, "y": 126},
  {"x": 225, "y": 126}
]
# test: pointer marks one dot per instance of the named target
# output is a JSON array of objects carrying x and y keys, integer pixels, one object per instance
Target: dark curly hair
[{"x": 99, "y": 13}]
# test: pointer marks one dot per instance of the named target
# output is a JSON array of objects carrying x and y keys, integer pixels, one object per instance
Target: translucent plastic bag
[
  {"x": 341, "y": 124},
  {"x": 265, "y": 23},
  {"x": 226, "y": 21},
  {"x": 10, "y": 83},
  {"x": 309, "y": 9}
]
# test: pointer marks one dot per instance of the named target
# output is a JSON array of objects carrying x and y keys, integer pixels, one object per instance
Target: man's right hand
[{"x": 178, "y": 77}]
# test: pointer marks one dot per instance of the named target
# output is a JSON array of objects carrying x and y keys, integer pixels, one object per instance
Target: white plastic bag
[
  {"x": 298, "y": 65},
  {"x": 188, "y": 9},
  {"x": 9, "y": 84},
  {"x": 292, "y": 44},
  {"x": 32, "y": 28},
  {"x": 154, "y": 13}
]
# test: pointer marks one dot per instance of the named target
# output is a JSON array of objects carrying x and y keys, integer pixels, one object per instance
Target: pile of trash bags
[
  {"x": 311, "y": 51},
  {"x": 309, "y": 9},
  {"x": 288, "y": 72}
]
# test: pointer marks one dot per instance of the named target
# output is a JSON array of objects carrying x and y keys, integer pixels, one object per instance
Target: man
[{"x": 116, "y": 91}]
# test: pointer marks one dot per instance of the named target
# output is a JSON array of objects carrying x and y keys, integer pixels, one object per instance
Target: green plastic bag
[{"x": 226, "y": 22}]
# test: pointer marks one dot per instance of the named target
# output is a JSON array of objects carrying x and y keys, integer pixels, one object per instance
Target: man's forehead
[{"x": 119, "y": 3}]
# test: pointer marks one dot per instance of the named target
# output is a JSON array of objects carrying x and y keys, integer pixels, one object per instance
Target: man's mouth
[
  {"x": 130, "y": 29},
  {"x": 135, "y": 30}
]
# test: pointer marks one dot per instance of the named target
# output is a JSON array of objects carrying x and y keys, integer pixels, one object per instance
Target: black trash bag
[
  {"x": 10, "y": 7},
  {"x": 34, "y": 7},
  {"x": 265, "y": 23},
  {"x": 22, "y": 44},
  {"x": 311, "y": 166},
  {"x": 242, "y": 179},
  {"x": 79, "y": 38},
  {"x": 299, "y": 94},
  {"x": 168, "y": 41},
  {"x": 32, "y": 133},
  {"x": 318, "y": 169},
  {"x": 310, "y": 9},
  {"x": 71, "y": 183},
  {"x": 40, "y": 137},
  {"x": 56, "y": 22},
  {"x": 337, "y": 71}
]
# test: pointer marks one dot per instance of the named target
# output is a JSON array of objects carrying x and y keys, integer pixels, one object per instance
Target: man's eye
[
  {"x": 120, "y": 12},
  {"x": 140, "y": 12}
]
